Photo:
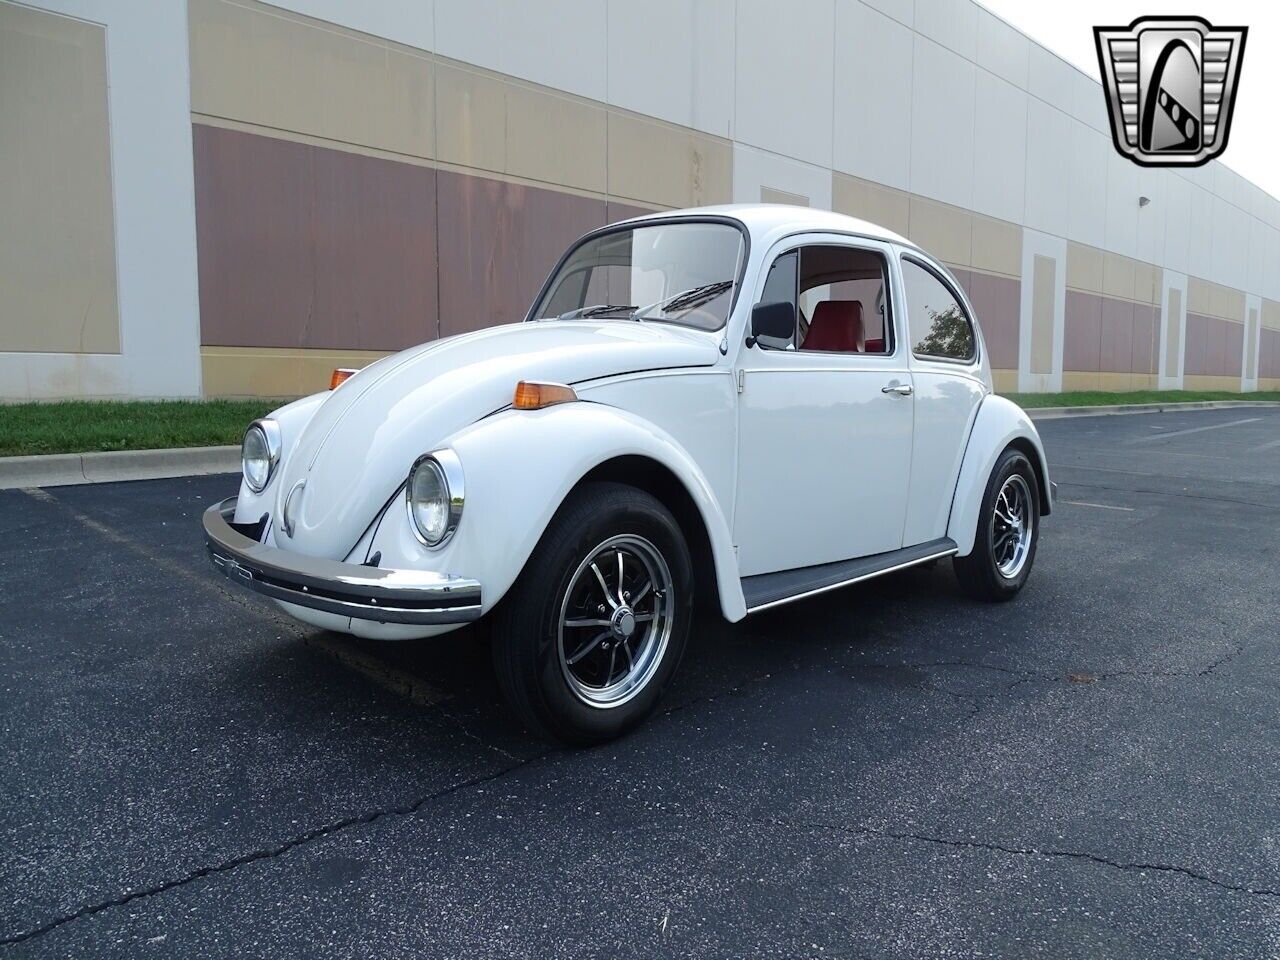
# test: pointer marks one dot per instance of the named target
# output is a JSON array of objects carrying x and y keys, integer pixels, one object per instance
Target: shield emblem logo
[{"x": 1170, "y": 84}]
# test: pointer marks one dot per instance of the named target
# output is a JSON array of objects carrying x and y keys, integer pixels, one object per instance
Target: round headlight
[
  {"x": 435, "y": 497},
  {"x": 259, "y": 453}
]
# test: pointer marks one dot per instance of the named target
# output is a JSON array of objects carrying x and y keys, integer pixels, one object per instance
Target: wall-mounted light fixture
[{"x": 1143, "y": 201}]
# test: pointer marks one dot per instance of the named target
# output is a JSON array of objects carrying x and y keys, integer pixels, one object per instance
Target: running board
[{"x": 772, "y": 589}]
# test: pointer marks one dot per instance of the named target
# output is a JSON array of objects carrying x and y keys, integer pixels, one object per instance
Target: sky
[{"x": 1253, "y": 149}]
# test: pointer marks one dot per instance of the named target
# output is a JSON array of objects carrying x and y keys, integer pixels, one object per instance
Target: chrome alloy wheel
[
  {"x": 1012, "y": 525},
  {"x": 615, "y": 621}
]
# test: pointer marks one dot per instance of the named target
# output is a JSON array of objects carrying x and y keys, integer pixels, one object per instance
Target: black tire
[
  {"x": 532, "y": 671},
  {"x": 980, "y": 573}
]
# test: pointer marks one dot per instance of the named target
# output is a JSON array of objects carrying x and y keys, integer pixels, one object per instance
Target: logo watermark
[{"x": 1170, "y": 85}]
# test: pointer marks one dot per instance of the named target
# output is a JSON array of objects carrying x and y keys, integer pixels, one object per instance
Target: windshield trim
[{"x": 637, "y": 224}]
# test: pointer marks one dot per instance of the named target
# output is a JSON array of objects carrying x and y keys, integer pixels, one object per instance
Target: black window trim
[
  {"x": 890, "y": 330},
  {"x": 960, "y": 302}
]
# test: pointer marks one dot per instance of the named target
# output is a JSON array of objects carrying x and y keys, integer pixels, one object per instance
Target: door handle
[{"x": 898, "y": 389}]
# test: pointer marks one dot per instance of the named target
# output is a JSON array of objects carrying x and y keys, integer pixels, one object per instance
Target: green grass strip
[
  {"x": 80, "y": 426},
  {"x": 1102, "y": 398}
]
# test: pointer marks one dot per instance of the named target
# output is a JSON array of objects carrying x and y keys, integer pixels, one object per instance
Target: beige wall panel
[
  {"x": 1118, "y": 275},
  {"x": 1147, "y": 282},
  {"x": 1199, "y": 297},
  {"x": 1226, "y": 302},
  {"x": 1251, "y": 346},
  {"x": 997, "y": 246},
  {"x": 1269, "y": 383},
  {"x": 471, "y": 118},
  {"x": 57, "y": 224},
  {"x": 1195, "y": 382},
  {"x": 945, "y": 231},
  {"x": 555, "y": 139},
  {"x": 774, "y": 195},
  {"x": 873, "y": 202},
  {"x": 261, "y": 65},
  {"x": 1084, "y": 267},
  {"x": 1271, "y": 314},
  {"x": 1005, "y": 381},
  {"x": 263, "y": 372},
  {"x": 1043, "y": 284},
  {"x": 1077, "y": 380},
  {"x": 1173, "y": 335},
  {"x": 655, "y": 162}
]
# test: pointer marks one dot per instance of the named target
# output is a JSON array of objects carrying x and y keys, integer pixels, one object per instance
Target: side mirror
[{"x": 774, "y": 320}]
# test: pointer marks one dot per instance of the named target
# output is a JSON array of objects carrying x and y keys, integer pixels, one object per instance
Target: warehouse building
[{"x": 230, "y": 197}]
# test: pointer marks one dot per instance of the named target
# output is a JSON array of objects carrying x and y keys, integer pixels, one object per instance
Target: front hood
[{"x": 358, "y": 447}]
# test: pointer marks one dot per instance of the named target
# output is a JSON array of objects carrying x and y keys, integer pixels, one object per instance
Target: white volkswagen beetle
[{"x": 746, "y": 405}]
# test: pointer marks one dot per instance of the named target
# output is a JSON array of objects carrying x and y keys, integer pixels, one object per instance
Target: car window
[
  {"x": 839, "y": 295},
  {"x": 940, "y": 328},
  {"x": 843, "y": 307}
]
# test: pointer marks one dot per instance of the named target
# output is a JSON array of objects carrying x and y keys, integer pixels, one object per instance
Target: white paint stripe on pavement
[
  {"x": 1100, "y": 506},
  {"x": 1183, "y": 433}
]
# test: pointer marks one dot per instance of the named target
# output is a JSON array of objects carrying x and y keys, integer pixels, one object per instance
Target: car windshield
[{"x": 681, "y": 273}]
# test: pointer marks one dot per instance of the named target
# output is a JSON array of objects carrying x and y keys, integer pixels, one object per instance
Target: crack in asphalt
[
  {"x": 317, "y": 833},
  {"x": 1048, "y": 853}
]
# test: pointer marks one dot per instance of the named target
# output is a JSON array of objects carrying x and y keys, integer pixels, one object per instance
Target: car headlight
[
  {"x": 259, "y": 453},
  {"x": 435, "y": 497}
]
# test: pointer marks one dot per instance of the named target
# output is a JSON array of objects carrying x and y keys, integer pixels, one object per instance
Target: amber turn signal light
[
  {"x": 339, "y": 377},
  {"x": 534, "y": 395}
]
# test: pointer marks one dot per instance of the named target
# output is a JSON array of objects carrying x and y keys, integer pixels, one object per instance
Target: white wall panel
[
  {"x": 1149, "y": 238},
  {"x": 1200, "y": 247},
  {"x": 904, "y": 11},
  {"x": 950, "y": 23},
  {"x": 1002, "y": 49},
  {"x": 1177, "y": 224},
  {"x": 942, "y": 128},
  {"x": 999, "y": 148},
  {"x": 1048, "y": 150},
  {"x": 1230, "y": 256},
  {"x": 784, "y": 77},
  {"x": 1122, "y": 206},
  {"x": 872, "y": 96},
  {"x": 673, "y": 59},
  {"x": 411, "y": 22},
  {"x": 1050, "y": 78},
  {"x": 560, "y": 43},
  {"x": 1089, "y": 104},
  {"x": 755, "y": 169},
  {"x": 1087, "y": 184}
]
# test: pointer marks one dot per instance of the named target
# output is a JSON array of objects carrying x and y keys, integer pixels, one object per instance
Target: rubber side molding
[{"x": 772, "y": 589}]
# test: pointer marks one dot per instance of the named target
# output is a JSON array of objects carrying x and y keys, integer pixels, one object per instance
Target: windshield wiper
[
  {"x": 599, "y": 310},
  {"x": 688, "y": 299}
]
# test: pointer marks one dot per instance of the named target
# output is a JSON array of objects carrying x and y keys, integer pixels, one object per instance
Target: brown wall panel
[
  {"x": 1269, "y": 353},
  {"x": 1214, "y": 346},
  {"x": 1146, "y": 325},
  {"x": 1082, "y": 332},
  {"x": 301, "y": 246},
  {"x": 499, "y": 240},
  {"x": 1234, "y": 344},
  {"x": 996, "y": 301},
  {"x": 1116, "y": 354}
]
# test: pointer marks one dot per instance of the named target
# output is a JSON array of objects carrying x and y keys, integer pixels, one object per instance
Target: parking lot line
[
  {"x": 1100, "y": 506},
  {"x": 1183, "y": 433}
]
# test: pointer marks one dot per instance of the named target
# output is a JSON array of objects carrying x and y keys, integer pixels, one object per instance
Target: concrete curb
[
  {"x": 61, "y": 469},
  {"x": 1061, "y": 413}
]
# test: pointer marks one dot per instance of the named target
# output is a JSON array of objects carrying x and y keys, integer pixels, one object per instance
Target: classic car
[{"x": 740, "y": 406}]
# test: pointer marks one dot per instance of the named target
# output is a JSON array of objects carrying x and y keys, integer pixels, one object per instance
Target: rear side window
[{"x": 940, "y": 329}]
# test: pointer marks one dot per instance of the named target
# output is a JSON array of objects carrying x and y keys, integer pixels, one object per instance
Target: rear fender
[{"x": 999, "y": 423}]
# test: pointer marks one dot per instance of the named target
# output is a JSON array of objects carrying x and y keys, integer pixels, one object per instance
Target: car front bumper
[{"x": 347, "y": 589}]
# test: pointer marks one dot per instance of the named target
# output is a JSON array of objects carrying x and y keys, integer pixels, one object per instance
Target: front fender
[
  {"x": 293, "y": 418},
  {"x": 518, "y": 466},
  {"x": 999, "y": 423}
]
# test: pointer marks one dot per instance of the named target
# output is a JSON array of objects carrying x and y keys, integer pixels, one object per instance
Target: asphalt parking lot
[{"x": 890, "y": 770}]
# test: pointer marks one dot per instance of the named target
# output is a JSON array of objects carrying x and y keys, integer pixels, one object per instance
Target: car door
[
  {"x": 946, "y": 369},
  {"x": 824, "y": 419}
]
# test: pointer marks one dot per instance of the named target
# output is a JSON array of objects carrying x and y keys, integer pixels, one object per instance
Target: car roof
[{"x": 772, "y": 220}]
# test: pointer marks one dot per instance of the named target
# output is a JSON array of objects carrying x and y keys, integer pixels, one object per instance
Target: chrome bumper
[{"x": 348, "y": 589}]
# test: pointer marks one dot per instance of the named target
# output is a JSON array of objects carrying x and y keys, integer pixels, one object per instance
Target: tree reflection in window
[{"x": 949, "y": 335}]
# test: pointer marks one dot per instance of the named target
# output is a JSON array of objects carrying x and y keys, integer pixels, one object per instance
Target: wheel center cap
[{"x": 624, "y": 623}]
